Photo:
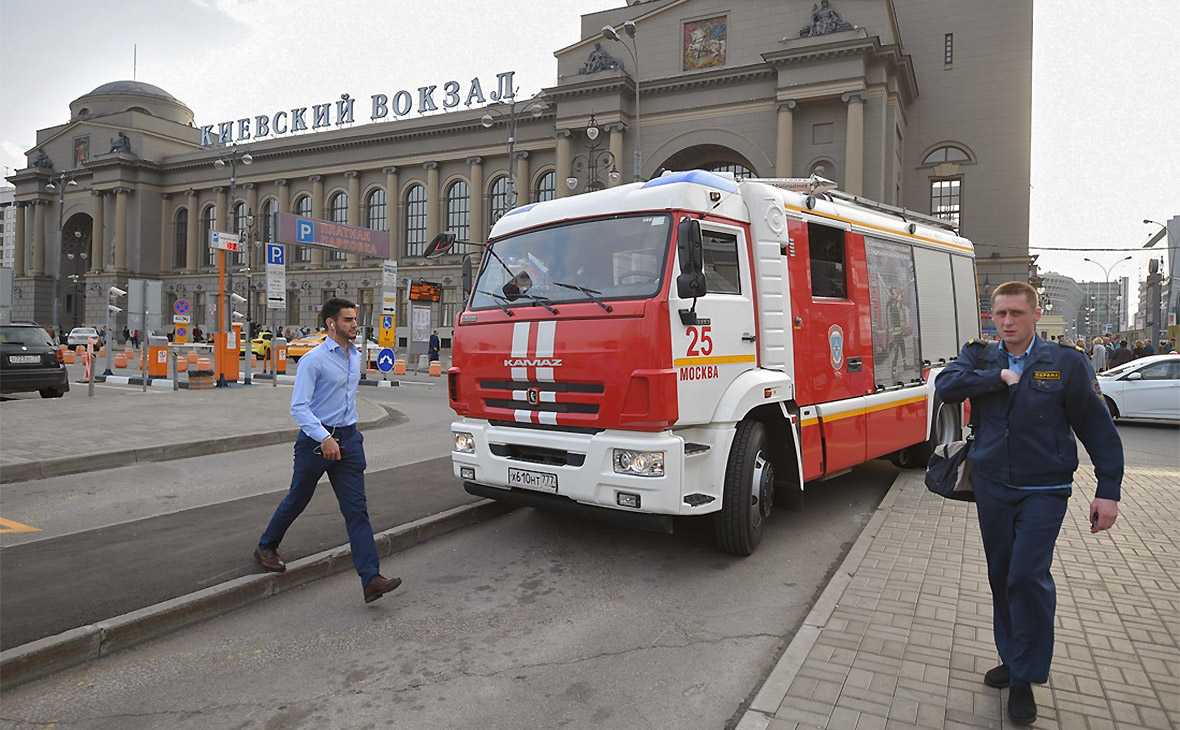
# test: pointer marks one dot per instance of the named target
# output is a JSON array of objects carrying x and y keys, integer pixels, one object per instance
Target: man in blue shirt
[
  {"x": 324, "y": 406},
  {"x": 1027, "y": 395}
]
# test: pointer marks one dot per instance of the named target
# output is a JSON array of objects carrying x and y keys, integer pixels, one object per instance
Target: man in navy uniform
[
  {"x": 324, "y": 405},
  {"x": 1026, "y": 396}
]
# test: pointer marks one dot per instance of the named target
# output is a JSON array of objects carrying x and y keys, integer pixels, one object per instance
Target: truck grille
[
  {"x": 538, "y": 455},
  {"x": 575, "y": 399}
]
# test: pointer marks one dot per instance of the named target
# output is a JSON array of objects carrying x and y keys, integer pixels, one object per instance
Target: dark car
[{"x": 30, "y": 361}]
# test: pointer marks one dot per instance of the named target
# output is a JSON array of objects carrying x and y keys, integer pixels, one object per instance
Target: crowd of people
[{"x": 1111, "y": 351}]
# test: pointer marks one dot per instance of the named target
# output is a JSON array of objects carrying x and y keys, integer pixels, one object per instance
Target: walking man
[
  {"x": 1027, "y": 394},
  {"x": 324, "y": 406}
]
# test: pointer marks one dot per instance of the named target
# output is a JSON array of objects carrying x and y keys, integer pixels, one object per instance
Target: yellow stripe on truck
[
  {"x": 712, "y": 360},
  {"x": 812, "y": 420}
]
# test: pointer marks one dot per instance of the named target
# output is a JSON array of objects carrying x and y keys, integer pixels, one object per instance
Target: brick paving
[{"x": 902, "y": 635}]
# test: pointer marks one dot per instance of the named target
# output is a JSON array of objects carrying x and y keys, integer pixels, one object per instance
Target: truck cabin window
[
  {"x": 612, "y": 258},
  {"x": 827, "y": 261},
  {"x": 721, "y": 262}
]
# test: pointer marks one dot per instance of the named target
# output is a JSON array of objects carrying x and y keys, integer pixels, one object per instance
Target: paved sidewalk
[{"x": 901, "y": 636}]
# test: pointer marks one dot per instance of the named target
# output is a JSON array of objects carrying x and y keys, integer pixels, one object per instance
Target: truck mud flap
[{"x": 558, "y": 503}]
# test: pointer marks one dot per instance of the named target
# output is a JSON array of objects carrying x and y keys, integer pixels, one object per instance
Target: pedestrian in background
[
  {"x": 324, "y": 405},
  {"x": 1121, "y": 356},
  {"x": 1148, "y": 349},
  {"x": 1098, "y": 355},
  {"x": 1027, "y": 395},
  {"x": 434, "y": 347}
]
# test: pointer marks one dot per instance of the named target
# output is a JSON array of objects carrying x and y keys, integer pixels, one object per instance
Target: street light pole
[
  {"x": 1106, "y": 273},
  {"x": 508, "y": 111},
  {"x": 224, "y": 275},
  {"x": 613, "y": 34},
  {"x": 591, "y": 160},
  {"x": 63, "y": 180}
]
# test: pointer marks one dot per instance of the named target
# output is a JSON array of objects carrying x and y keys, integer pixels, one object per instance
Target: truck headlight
[
  {"x": 639, "y": 463},
  {"x": 464, "y": 442}
]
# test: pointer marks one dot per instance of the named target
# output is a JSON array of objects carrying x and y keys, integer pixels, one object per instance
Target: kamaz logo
[{"x": 548, "y": 363}]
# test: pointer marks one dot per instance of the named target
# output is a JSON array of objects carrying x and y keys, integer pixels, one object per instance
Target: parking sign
[
  {"x": 275, "y": 254},
  {"x": 304, "y": 230}
]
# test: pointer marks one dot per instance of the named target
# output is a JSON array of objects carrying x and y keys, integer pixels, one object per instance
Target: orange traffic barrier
[
  {"x": 399, "y": 367},
  {"x": 121, "y": 360},
  {"x": 204, "y": 364},
  {"x": 192, "y": 358},
  {"x": 68, "y": 357},
  {"x": 181, "y": 364},
  {"x": 435, "y": 368}
]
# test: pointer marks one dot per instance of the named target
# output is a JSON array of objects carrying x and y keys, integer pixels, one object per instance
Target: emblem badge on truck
[{"x": 534, "y": 396}]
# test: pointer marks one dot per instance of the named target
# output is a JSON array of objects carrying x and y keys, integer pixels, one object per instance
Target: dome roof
[{"x": 138, "y": 88}]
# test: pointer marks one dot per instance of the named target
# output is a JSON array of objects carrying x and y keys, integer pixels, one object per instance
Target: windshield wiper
[
  {"x": 545, "y": 302},
  {"x": 594, "y": 294},
  {"x": 501, "y": 302}
]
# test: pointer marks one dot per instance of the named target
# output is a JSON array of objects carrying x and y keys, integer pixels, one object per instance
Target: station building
[{"x": 922, "y": 104}]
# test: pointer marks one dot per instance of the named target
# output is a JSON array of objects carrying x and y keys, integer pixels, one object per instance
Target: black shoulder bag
[{"x": 948, "y": 473}]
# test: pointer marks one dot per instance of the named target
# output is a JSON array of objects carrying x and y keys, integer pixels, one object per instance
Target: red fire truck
[{"x": 693, "y": 345}]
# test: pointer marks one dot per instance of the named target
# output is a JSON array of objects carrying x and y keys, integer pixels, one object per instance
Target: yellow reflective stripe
[
  {"x": 866, "y": 410},
  {"x": 883, "y": 229},
  {"x": 712, "y": 360}
]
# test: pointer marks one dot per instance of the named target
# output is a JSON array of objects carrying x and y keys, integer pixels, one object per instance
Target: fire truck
[{"x": 695, "y": 345}]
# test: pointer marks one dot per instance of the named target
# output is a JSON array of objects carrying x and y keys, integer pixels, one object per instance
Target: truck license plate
[
  {"x": 540, "y": 481},
  {"x": 24, "y": 359}
]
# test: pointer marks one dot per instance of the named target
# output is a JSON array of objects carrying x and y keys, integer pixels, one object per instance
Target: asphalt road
[{"x": 529, "y": 620}]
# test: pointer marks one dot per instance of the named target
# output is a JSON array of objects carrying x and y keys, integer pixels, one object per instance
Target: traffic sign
[
  {"x": 385, "y": 360},
  {"x": 181, "y": 335},
  {"x": 181, "y": 319},
  {"x": 386, "y": 332},
  {"x": 276, "y": 254},
  {"x": 225, "y": 241},
  {"x": 181, "y": 306}
]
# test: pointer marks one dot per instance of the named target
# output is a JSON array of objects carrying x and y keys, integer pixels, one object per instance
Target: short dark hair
[
  {"x": 332, "y": 308},
  {"x": 1017, "y": 288}
]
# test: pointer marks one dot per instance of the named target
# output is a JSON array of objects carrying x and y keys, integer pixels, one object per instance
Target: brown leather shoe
[
  {"x": 269, "y": 560},
  {"x": 379, "y": 586}
]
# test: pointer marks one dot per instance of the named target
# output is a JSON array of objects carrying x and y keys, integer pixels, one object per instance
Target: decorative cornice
[
  {"x": 123, "y": 190},
  {"x": 619, "y": 127},
  {"x": 281, "y": 182},
  {"x": 98, "y": 193},
  {"x": 391, "y": 170},
  {"x": 430, "y": 165},
  {"x": 351, "y": 174},
  {"x": 564, "y": 133},
  {"x": 219, "y": 189},
  {"x": 315, "y": 178},
  {"x": 788, "y": 105},
  {"x": 474, "y": 160},
  {"x": 522, "y": 155},
  {"x": 191, "y": 192},
  {"x": 248, "y": 186},
  {"x": 853, "y": 97}
]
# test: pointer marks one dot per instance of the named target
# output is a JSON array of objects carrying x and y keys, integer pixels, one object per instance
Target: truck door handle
[
  {"x": 855, "y": 364},
  {"x": 747, "y": 337}
]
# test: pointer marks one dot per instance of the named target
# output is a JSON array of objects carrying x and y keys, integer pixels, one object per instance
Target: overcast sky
[{"x": 1105, "y": 151}]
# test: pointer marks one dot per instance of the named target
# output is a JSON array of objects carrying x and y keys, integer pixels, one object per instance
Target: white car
[
  {"x": 1147, "y": 388},
  {"x": 80, "y": 336}
]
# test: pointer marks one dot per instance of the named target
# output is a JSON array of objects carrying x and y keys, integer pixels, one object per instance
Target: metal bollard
[{"x": 172, "y": 369}]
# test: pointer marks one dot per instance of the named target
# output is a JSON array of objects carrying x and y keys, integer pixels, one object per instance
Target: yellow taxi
[
  {"x": 260, "y": 345},
  {"x": 300, "y": 346}
]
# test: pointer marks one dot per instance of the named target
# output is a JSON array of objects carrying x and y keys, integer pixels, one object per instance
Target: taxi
[
  {"x": 300, "y": 346},
  {"x": 260, "y": 345}
]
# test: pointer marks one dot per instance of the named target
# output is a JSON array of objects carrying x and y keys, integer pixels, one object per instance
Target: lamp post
[
  {"x": 115, "y": 292},
  {"x": 592, "y": 160},
  {"x": 1106, "y": 273},
  {"x": 613, "y": 34},
  {"x": 248, "y": 270},
  {"x": 63, "y": 180},
  {"x": 233, "y": 158},
  {"x": 509, "y": 112}
]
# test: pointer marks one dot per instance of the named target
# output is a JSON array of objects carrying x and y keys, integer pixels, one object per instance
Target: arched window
[
  {"x": 267, "y": 213},
  {"x": 458, "y": 210},
  {"x": 181, "y": 239},
  {"x": 946, "y": 153},
  {"x": 207, "y": 218},
  {"x": 498, "y": 202},
  {"x": 547, "y": 187},
  {"x": 376, "y": 213},
  {"x": 303, "y": 208},
  {"x": 239, "y": 226},
  {"x": 740, "y": 171},
  {"x": 415, "y": 220},
  {"x": 338, "y": 213}
]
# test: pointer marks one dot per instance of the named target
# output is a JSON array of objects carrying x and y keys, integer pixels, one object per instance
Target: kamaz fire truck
[{"x": 696, "y": 345}]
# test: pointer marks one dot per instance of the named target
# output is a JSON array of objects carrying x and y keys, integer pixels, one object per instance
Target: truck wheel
[
  {"x": 946, "y": 429},
  {"x": 749, "y": 492}
]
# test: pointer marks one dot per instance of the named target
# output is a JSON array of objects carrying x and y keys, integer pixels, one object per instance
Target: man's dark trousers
[
  {"x": 348, "y": 481},
  {"x": 1019, "y": 529}
]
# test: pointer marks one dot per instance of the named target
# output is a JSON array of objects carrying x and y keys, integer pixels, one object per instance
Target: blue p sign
[
  {"x": 304, "y": 231},
  {"x": 274, "y": 254}
]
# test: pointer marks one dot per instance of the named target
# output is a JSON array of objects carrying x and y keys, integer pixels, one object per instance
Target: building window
[
  {"x": 239, "y": 227},
  {"x": 947, "y": 153},
  {"x": 268, "y": 222},
  {"x": 945, "y": 196},
  {"x": 181, "y": 238},
  {"x": 303, "y": 208},
  {"x": 415, "y": 220},
  {"x": 498, "y": 201},
  {"x": 948, "y": 48},
  {"x": 376, "y": 215},
  {"x": 207, "y": 219},
  {"x": 199, "y": 309},
  {"x": 547, "y": 187},
  {"x": 823, "y": 133},
  {"x": 447, "y": 306},
  {"x": 338, "y": 213},
  {"x": 739, "y": 171},
  {"x": 826, "y": 245},
  {"x": 459, "y": 210}
]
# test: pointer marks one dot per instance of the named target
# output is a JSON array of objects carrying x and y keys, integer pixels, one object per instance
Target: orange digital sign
[{"x": 425, "y": 291}]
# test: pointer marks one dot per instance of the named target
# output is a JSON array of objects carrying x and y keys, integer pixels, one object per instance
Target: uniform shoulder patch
[{"x": 978, "y": 342}]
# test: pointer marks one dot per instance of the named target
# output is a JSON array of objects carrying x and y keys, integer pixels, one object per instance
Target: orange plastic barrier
[
  {"x": 181, "y": 364},
  {"x": 158, "y": 358},
  {"x": 68, "y": 357},
  {"x": 204, "y": 363},
  {"x": 121, "y": 360},
  {"x": 435, "y": 369},
  {"x": 399, "y": 367},
  {"x": 281, "y": 368},
  {"x": 192, "y": 358}
]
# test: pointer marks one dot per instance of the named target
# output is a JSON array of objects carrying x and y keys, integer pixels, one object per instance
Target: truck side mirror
[{"x": 691, "y": 282}]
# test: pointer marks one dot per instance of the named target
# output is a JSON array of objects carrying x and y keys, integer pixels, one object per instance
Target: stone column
[
  {"x": 854, "y": 144},
  {"x": 192, "y": 251},
  {"x": 165, "y": 239},
  {"x": 524, "y": 188},
  {"x": 784, "y": 159},
  {"x": 433, "y": 201},
  {"x": 18, "y": 259},
  {"x": 564, "y": 160},
  {"x": 354, "y": 209},
  {"x": 475, "y": 189},
  {"x": 317, "y": 212},
  {"x": 121, "y": 228},
  {"x": 392, "y": 208},
  {"x": 256, "y": 231},
  {"x": 37, "y": 264},
  {"x": 616, "y": 151},
  {"x": 221, "y": 212},
  {"x": 98, "y": 236}
]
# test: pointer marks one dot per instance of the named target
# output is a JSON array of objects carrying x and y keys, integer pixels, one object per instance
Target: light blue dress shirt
[{"x": 325, "y": 389}]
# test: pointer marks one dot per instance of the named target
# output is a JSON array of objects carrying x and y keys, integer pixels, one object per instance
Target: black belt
[{"x": 340, "y": 429}]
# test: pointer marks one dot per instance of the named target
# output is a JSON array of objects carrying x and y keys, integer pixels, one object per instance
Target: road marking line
[{"x": 11, "y": 526}]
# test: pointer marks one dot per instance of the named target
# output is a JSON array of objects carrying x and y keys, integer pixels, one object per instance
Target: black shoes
[
  {"x": 1022, "y": 707},
  {"x": 997, "y": 677}
]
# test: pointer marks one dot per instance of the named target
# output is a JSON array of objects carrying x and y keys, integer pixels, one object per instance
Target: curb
[
  {"x": 51, "y": 654},
  {"x": 26, "y": 471},
  {"x": 773, "y": 691}
]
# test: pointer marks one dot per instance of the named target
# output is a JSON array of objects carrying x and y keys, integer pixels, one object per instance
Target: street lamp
[
  {"x": 234, "y": 157},
  {"x": 64, "y": 180},
  {"x": 248, "y": 270},
  {"x": 613, "y": 34},
  {"x": 592, "y": 160},
  {"x": 1106, "y": 273},
  {"x": 114, "y": 292},
  {"x": 510, "y": 113}
]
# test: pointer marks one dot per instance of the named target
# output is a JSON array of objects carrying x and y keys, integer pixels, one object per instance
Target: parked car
[
  {"x": 29, "y": 361},
  {"x": 1147, "y": 388},
  {"x": 300, "y": 346},
  {"x": 79, "y": 336},
  {"x": 260, "y": 345}
]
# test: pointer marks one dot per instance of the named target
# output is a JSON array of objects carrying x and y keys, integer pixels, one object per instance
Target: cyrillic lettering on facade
[
  {"x": 344, "y": 109},
  {"x": 451, "y": 89},
  {"x": 299, "y": 119},
  {"x": 323, "y": 115},
  {"x": 380, "y": 107},
  {"x": 403, "y": 102},
  {"x": 426, "y": 99}
]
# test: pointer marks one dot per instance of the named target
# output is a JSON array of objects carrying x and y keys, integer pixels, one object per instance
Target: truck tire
[
  {"x": 749, "y": 492},
  {"x": 945, "y": 430}
]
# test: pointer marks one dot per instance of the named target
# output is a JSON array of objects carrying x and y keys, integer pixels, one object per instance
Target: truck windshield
[{"x": 612, "y": 258}]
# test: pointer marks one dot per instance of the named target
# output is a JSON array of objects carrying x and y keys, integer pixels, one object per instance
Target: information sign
[
  {"x": 225, "y": 241},
  {"x": 425, "y": 291}
]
